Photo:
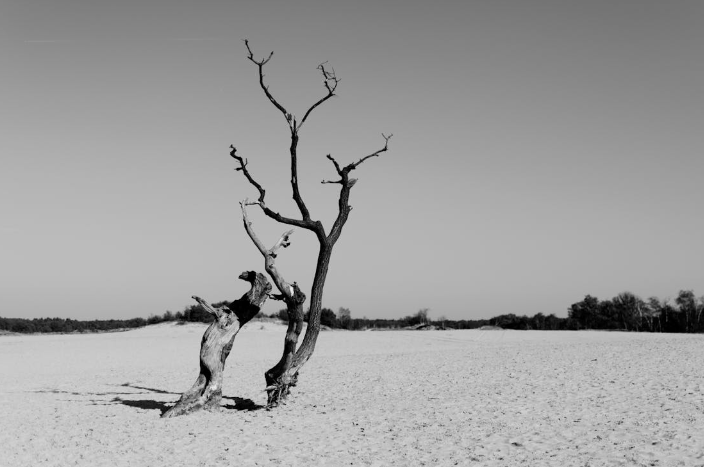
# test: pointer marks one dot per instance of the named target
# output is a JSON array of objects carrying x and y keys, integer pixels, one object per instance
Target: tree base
[
  {"x": 278, "y": 390},
  {"x": 206, "y": 392},
  {"x": 202, "y": 396}
]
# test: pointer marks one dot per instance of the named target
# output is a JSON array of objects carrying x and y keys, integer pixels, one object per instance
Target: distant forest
[{"x": 625, "y": 312}]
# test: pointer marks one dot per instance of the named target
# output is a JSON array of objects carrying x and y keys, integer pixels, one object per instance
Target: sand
[{"x": 401, "y": 398}]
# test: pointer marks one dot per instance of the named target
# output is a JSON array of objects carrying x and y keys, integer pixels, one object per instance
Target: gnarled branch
[{"x": 310, "y": 225}]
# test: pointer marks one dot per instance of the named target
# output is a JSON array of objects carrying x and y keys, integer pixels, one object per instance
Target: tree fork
[{"x": 215, "y": 347}]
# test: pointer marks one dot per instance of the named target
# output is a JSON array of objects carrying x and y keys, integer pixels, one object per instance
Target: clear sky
[{"x": 542, "y": 151}]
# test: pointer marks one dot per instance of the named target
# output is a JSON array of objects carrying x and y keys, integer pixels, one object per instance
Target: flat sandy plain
[{"x": 402, "y": 398}]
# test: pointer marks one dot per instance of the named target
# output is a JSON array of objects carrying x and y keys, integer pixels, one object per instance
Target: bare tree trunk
[
  {"x": 280, "y": 379},
  {"x": 206, "y": 392},
  {"x": 305, "y": 351}
]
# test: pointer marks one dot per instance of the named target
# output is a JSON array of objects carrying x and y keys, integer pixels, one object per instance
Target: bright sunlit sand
[{"x": 366, "y": 398}]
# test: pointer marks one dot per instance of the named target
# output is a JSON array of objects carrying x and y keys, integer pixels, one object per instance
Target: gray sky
[{"x": 542, "y": 150}]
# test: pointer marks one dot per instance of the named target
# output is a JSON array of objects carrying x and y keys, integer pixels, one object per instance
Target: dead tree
[
  {"x": 206, "y": 392},
  {"x": 284, "y": 375}
]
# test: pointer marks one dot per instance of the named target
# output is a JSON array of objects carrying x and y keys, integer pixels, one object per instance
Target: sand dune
[{"x": 366, "y": 398}]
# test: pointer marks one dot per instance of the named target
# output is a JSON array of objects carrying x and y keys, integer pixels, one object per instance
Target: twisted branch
[
  {"x": 293, "y": 127},
  {"x": 310, "y": 225}
]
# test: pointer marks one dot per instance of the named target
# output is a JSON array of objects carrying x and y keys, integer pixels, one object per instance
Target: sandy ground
[{"x": 400, "y": 398}]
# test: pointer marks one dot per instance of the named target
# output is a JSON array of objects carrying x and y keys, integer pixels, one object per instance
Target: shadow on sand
[
  {"x": 144, "y": 404},
  {"x": 240, "y": 403}
]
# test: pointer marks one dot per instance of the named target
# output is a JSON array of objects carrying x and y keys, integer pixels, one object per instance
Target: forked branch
[
  {"x": 310, "y": 225},
  {"x": 260, "y": 64},
  {"x": 374, "y": 154},
  {"x": 330, "y": 80},
  {"x": 270, "y": 255},
  {"x": 344, "y": 172}
]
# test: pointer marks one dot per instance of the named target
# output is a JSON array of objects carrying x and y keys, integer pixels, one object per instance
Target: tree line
[
  {"x": 62, "y": 325},
  {"x": 629, "y": 312},
  {"x": 193, "y": 313},
  {"x": 197, "y": 314},
  {"x": 625, "y": 312}
]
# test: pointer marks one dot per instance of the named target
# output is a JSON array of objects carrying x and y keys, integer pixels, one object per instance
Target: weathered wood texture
[{"x": 206, "y": 392}]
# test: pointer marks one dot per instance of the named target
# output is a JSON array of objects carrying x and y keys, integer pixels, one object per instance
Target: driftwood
[{"x": 206, "y": 392}]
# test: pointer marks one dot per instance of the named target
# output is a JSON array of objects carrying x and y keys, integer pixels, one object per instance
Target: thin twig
[{"x": 374, "y": 154}]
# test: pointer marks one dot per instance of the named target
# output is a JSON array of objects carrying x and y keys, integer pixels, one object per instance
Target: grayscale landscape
[{"x": 351, "y": 233}]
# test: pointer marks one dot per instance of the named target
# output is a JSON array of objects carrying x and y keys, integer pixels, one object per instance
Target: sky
[{"x": 542, "y": 151}]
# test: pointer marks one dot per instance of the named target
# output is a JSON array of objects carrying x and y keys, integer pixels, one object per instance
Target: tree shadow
[
  {"x": 144, "y": 404},
  {"x": 58, "y": 391},
  {"x": 158, "y": 391},
  {"x": 242, "y": 404}
]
